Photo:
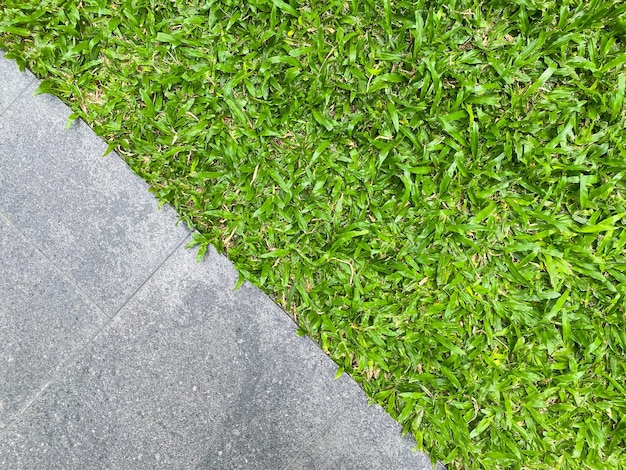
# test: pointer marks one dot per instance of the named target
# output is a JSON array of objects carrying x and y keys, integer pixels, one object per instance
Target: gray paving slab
[
  {"x": 44, "y": 320},
  {"x": 90, "y": 215},
  {"x": 194, "y": 374},
  {"x": 13, "y": 82}
]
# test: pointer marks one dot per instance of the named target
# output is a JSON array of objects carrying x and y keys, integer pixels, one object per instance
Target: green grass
[{"x": 434, "y": 189}]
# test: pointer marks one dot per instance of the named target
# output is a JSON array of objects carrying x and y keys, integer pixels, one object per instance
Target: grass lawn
[{"x": 435, "y": 190}]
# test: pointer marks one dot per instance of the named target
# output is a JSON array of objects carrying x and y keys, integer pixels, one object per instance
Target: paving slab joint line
[
  {"x": 188, "y": 238},
  {"x": 69, "y": 278},
  {"x": 70, "y": 360},
  {"x": 18, "y": 96},
  {"x": 318, "y": 434}
]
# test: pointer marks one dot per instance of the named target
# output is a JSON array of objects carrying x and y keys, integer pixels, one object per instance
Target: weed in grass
[{"x": 433, "y": 189}]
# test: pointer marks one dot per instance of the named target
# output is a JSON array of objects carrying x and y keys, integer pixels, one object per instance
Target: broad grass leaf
[{"x": 286, "y": 7}]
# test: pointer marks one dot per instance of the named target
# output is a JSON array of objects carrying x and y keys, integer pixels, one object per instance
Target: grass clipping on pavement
[{"x": 433, "y": 189}]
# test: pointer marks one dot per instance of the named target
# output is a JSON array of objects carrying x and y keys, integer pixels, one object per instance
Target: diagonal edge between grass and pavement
[{"x": 433, "y": 190}]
